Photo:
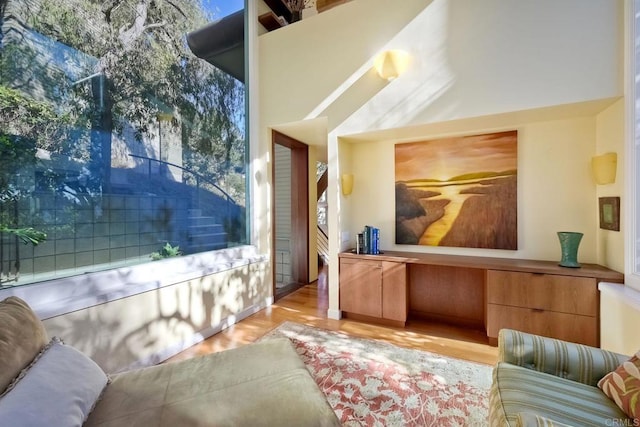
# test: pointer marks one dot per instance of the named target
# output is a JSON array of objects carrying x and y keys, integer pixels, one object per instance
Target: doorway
[{"x": 290, "y": 218}]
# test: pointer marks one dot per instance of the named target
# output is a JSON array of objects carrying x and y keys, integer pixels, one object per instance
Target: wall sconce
[
  {"x": 391, "y": 63},
  {"x": 346, "y": 182},
  {"x": 604, "y": 168}
]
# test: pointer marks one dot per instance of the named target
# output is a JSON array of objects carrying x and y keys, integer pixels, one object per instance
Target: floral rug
[{"x": 371, "y": 383}]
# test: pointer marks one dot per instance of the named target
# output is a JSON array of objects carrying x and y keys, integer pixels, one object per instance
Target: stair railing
[
  {"x": 323, "y": 244},
  {"x": 198, "y": 177}
]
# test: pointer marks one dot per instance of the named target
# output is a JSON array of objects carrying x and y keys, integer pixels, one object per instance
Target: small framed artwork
[{"x": 610, "y": 213}]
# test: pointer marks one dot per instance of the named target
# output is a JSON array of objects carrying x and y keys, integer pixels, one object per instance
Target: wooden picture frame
[{"x": 609, "y": 208}]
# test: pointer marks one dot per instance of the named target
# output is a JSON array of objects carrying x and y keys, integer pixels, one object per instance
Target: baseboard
[
  {"x": 158, "y": 357},
  {"x": 334, "y": 314}
]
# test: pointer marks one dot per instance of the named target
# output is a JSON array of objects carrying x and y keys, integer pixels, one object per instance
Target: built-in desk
[{"x": 479, "y": 292}]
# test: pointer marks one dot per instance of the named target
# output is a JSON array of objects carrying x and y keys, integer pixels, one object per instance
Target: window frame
[{"x": 632, "y": 157}]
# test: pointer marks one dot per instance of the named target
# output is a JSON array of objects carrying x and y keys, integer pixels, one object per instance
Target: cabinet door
[
  {"x": 394, "y": 291},
  {"x": 361, "y": 287},
  {"x": 565, "y": 294},
  {"x": 567, "y": 327}
]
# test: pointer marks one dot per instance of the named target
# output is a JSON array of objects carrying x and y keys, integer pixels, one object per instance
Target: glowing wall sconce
[
  {"x": 391, "y": 63},
  {"x": 346, "y": 182},
  {"x": 604, "y": 168}
]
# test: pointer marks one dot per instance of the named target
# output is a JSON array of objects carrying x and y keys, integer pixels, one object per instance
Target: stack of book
[{"x": 368, "y": 241}]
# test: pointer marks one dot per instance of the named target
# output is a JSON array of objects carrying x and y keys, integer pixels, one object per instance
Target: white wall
[{"x": 468, "y": 60}]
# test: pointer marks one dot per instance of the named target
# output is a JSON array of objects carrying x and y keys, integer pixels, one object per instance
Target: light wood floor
[{"x": 309, "y": 304}]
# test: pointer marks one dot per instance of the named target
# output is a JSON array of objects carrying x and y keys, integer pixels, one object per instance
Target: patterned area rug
[{"x": 371, "y": 383}]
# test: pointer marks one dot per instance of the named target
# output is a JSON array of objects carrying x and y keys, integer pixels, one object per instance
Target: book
[
  {"x": 375, "y": 241},
  {"x": 368, "y": 241},
  {"x": 360, "y": 243}
]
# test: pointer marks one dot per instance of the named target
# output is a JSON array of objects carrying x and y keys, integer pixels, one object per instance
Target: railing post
[{"x": 198, "y": 191}]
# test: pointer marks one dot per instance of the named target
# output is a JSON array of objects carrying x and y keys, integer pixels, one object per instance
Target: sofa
[
  {"x": 540, "y": 381},
  {"x": 45, "y": 382}
]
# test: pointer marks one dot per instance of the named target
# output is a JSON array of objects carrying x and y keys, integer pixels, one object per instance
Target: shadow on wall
[{"x": 147, "y": 328}]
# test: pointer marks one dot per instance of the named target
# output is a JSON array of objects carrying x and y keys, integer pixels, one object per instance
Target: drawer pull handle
[{"x": 537, "y": 310}]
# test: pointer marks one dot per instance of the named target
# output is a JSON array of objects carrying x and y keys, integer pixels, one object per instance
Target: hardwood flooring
[{"x": 309, "y": 305}]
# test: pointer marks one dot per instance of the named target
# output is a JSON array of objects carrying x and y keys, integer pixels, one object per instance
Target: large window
[{"x": 118, "y": 146}]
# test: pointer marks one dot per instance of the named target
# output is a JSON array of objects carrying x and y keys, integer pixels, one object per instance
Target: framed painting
[
  {"x": 609, "y": 208},
  {"x": 458, "y": 191}
]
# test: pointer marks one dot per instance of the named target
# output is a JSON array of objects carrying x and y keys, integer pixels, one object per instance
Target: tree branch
[{"x": 176, "y": 7}]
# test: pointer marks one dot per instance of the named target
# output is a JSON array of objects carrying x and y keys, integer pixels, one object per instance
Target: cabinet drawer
[
  {"x": 568, "y": 327},
  {"x": 565, "y": 294}
]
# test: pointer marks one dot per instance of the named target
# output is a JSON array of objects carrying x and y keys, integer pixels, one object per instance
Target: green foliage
[
  {"x": 130, "y": 61},
  {"x": 167, "y": 251},
  {"x": 28, "y": 124},
  {"x": 29, "y": 118},
  {"x": 27, "y": 234},
  {"x": 139, "y": 46}
]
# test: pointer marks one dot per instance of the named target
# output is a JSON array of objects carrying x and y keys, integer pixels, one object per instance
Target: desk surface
[{"x": 491, "y": 263}]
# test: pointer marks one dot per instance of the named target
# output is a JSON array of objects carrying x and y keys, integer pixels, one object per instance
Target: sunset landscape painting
[{"x": 459, "y": 191}]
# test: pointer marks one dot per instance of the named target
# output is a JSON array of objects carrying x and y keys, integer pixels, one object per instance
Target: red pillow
[{"x": 623, "y": 387}]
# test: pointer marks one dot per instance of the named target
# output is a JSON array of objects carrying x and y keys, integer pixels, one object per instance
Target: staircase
[
  {"x": 323, "y": 245},
  {"x": 204, "y": 233},
  {"x": 322, "y": 240}
]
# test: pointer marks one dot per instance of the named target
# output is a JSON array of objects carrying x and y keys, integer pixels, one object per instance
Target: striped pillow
[{"x": 623, "y": 387}]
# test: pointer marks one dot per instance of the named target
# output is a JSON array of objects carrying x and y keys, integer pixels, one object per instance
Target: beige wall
[
  {"x": 555, "y": 188},
  {"x": 610, "y": 138},
  {"x": 619, "y": 318},
  {"x": 146, "y": 328}
]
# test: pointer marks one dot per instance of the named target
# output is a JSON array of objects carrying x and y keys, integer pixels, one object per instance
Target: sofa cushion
[
  {"x": 516, "y": 389},
  {"x": 261, "y": 384},
  {"x": 527, "y": 419},
  {"x": 623, "y": 387},
  {"x": 22, "y": 336},
  {"x": 59, "y": 389}
]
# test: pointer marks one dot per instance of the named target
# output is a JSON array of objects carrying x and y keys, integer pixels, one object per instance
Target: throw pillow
[
  {"x": 59, "y": 389},
  {"x": 623, "y": 386},
  {"x": 22, "y": 336}
]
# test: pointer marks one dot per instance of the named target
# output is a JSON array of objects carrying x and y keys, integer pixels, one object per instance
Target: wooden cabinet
[
  {"x": 558, "y": 306},
  {"x": 394, "y": 291},
  {"x": 376, "y": 289},
  {"x": 361, "y": 287},
  {"x": 534, "y": 296}
]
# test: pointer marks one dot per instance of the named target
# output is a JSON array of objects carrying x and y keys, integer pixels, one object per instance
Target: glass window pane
[{"x": 119, "y": 145}]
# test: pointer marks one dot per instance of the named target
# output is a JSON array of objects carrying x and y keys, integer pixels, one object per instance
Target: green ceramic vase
[{"x": 569, "y": 242}]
